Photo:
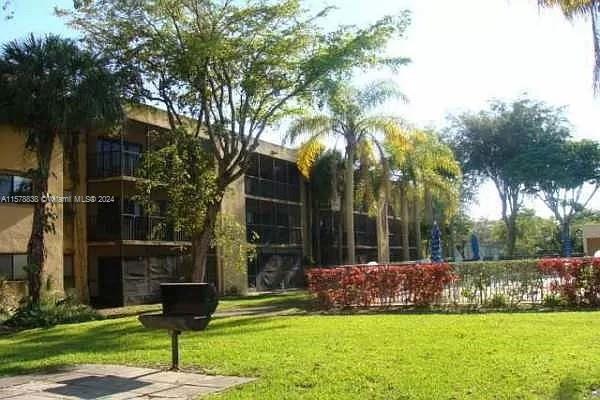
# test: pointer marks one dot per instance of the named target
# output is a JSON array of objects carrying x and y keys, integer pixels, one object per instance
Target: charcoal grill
[{"x": 186, "y": 307}]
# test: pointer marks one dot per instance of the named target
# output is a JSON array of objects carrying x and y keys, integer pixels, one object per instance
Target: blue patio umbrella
[
  {"x": 436, "y": 244},
  {"x": 475, "y": 247}
]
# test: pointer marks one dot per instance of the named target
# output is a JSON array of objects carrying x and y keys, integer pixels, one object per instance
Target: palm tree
[
  {"x": 375, "y": 190},
  {"x": 582, "y": 8},
  {"x": 56, "y": 92},
  {"x": 426, "y": 172},
  {"x": 348, "y": 118}
]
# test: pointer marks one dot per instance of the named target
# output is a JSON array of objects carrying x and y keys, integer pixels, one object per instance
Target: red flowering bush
[
  {"x": 361, "y": 285},
  {"x": 576, "y": 280}
]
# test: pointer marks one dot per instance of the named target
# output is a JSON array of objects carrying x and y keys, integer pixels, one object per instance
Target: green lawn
[
  {"x": 395, "y": 356},
  {"x": 228, "y": 304}
]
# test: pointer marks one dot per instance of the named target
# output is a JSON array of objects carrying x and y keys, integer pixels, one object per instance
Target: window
[
  {"x": 12, "y": 266},
  {"x": 5, "y": 185},
  {"x": 272, "y": 177},
  {"x": 14, "y": 185},
  {"x": 275, "y": 223},
  {"x": 115, "y": 157}
]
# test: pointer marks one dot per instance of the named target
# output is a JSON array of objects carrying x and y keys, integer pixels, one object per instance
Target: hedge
[
  {"x": 497, "y": 284},
  {"x": 363, "y": 285}
]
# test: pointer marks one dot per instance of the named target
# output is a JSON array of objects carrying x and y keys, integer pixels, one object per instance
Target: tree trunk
[
  {"x": 340, "y": 236},
  {"x": 428, "y": 208},
  {"x": 405, "y": 226},
  {"x": 201, "y": 241},
  {"x": 565, "y": 238},
  {"x": 316, "y": 229},
  {"x": 417, "y": 221},
  {"x": 349, "y": 205},
  {"x": 383, "y": 230},
  {"x": 42, "y": 221},
  {"x": 511, "y": 235}
]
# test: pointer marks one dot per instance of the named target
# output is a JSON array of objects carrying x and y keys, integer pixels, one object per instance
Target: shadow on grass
[
  {"x": 284, "y": 300},
  {"x": 40, "y": 349},
  {"x": 451, "y": 310},
  {"x": 568, "y": 389}
]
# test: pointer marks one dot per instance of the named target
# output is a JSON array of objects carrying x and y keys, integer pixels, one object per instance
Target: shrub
[
  {"x": 576, "y": 280},
  {"x": 553, "y": 300},
  {"x": 51, "y": 311},
  {"x": 8, "y": 300},
  {"x": 498, "y": 300},
  {"x": 479, "y": 282},
  {"x": 363, "y": 285}
]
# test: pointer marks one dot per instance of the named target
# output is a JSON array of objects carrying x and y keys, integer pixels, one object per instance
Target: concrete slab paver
[{"x": 113, "y": 382}]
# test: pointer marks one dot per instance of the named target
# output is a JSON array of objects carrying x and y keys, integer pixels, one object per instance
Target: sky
[{"x": 464, "y": 53}]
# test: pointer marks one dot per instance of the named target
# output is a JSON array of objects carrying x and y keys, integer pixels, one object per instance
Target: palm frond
[
  {"x": 570, "y": 8},
  {"x": 377, "y": 93},
  {"x": 310, "y": 125},
  {"x": 308, "y": 153}
]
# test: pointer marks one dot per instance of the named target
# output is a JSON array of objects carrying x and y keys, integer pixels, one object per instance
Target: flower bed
[{"x": 496, "y": 284}]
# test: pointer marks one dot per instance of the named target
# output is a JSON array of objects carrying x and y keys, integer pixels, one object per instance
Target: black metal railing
[
  {"x": 113, "y": 163},
  {"x": 133, "y": 227}
]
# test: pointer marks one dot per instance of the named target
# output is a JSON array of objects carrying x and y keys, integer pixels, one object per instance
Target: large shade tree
[
  {"x": 566, "y": 177},
  {"x": 488, "y": 145},
  {"x": 232, "y": 67},
  {"x": 586, "y": 9},
  {"x": 55, "y": 92},
  {"x": 348, "y": 117}
]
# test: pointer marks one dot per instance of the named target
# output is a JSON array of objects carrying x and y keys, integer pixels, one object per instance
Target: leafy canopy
[
  {"x": 348, "y": 116},
  {"x": 562, "y": 173},
  {"x": 233, "y": 67}
]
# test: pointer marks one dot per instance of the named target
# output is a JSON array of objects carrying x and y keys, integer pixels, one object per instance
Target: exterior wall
[
  {"x": 73, "y": 226},
  {"x": 591, "y": 239},
  {"x": 16, "y": 219}
]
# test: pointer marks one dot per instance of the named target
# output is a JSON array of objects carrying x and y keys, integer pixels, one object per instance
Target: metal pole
[{"x": 175, "y": 350}]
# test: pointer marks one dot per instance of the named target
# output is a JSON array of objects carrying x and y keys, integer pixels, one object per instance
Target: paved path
[{"x": 113, "y": 382}]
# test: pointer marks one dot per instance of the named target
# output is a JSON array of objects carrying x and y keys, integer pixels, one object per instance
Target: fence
[{"x": 495, "y": 284}]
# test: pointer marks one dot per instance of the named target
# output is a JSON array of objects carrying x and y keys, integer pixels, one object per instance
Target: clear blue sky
[{"x": 464, "y": 52}]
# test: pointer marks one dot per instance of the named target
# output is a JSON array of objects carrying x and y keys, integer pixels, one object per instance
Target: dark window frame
[
  {"x": 13, "y": 190},
  {"x": 13, "y": 267}
]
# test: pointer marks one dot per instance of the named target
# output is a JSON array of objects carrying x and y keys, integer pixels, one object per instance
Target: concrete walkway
[{"x": 114, "y": 382}]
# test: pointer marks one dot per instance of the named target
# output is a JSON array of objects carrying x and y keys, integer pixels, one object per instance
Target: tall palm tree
[
  {"x": 582, "y": 8},
  {"x": 375, "y": 190},
  {"x": 425, "y": 171},
  {"x": 56, "y": 92},
  {"x": 348, "y": 118}
]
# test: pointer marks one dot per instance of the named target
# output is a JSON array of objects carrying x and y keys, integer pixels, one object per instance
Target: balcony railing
[
  {"x": 133, "y": 227},
  {"x": 113, "y": 163}
]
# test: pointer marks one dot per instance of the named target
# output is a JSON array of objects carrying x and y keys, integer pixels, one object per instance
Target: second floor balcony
[
  {"x": 132, "y": 227},
  {"x": 106, "y": 164}
]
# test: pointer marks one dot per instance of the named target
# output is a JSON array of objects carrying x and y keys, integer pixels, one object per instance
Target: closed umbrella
[
  {"x": 475, "y": 247},
  {"x": 436, "y": 244}
]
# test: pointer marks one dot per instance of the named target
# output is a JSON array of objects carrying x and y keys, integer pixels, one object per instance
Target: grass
[
  {"x": 228, "y": 304},
  {"x": 383, "y": 356}
]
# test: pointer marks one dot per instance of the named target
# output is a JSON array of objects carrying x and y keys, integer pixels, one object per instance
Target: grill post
[
  {"x": 185, "y": 307},
  {"x": 175, "y": 350}
]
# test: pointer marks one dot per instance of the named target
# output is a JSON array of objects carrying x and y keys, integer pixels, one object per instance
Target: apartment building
[{"x": 112, "y": 252}]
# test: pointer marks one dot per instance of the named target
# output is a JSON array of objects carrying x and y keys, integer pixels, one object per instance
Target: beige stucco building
[
  {"x": 106, "y": 248},
  {"x": 112, "y": 252},
  {"x": 591, "y": 239}
]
